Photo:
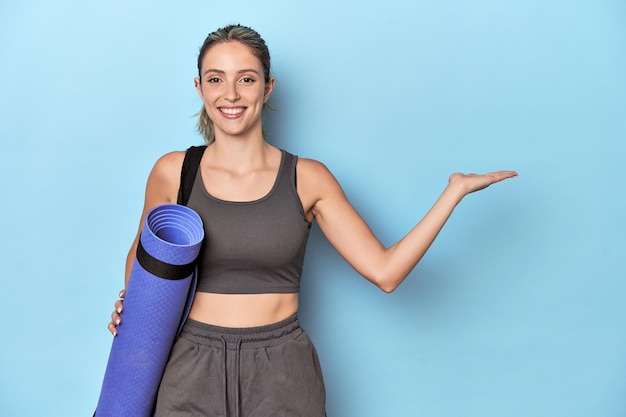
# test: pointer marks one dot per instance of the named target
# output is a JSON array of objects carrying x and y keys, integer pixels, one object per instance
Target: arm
[
  {"x": 353, "y": 239},
  {"x": 161, "y": 188}
]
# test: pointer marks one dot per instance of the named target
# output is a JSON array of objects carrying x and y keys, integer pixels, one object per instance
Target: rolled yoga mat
[{"x": 158, "y": 298}]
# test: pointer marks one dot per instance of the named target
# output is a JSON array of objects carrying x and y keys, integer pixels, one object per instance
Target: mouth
[{"x": 231, "y": 111}]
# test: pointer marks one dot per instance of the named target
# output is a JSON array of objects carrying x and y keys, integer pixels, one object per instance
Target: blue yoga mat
[{"x": 158, "y": 298}]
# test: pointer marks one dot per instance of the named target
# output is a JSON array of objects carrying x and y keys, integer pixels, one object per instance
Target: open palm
[{"x": 476, "y": 182}]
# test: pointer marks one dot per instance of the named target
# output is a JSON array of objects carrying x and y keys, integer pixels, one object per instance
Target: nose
[{"x": 231, "y": 93}]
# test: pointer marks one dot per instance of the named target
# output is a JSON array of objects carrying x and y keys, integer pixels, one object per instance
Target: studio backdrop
[{"x": 517, "y": 309}]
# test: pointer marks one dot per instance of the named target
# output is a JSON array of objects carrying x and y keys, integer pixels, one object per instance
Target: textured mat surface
[{"x": 153, "y": 309}]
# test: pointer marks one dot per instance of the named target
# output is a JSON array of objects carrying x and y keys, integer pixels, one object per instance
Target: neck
[{"x": 239, "y": 155}]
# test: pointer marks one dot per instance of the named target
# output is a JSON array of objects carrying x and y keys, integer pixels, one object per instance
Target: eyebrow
[{"x": 211, "y": 70}]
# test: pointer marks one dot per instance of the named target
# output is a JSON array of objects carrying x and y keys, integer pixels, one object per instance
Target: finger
[
  {"x": 123, "y": 293},
  {"x": 119, "y": 306},
  {"x": 112, "y": 329},
  {"x": 498, "y": 176},
  {"x": 506, "y": 174},
  {"x": 116, "y": 319}
]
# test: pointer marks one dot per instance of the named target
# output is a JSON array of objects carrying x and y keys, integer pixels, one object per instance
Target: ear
[
  {"x": 198, "y": 85},
  {"x": 269, "y": 86}
]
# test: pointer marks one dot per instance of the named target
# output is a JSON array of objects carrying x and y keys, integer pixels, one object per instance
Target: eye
[
  {"x": 213, "y": 80},
  {"x": 247, "y": 80}
]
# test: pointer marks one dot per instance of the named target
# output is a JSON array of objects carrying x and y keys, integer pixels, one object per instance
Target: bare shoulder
[
  {"x": 171, "y": 161},
  {"x": 313, "y": 173},
  {"x": 315, "y": 182},
  {"x": 164, "y": 179},
  {"x": 310, "y": 167}
]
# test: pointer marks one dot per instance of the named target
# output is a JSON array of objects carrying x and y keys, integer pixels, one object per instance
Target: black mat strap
[
  {"x": 193, "y": 155},
  {"x": 162, "y": 269}
]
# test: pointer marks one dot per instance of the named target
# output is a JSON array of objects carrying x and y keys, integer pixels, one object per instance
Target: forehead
[{"x": 231, "y": 55}]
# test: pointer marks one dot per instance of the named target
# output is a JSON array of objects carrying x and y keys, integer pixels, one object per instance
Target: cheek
[{"x": 208, "y": 96}]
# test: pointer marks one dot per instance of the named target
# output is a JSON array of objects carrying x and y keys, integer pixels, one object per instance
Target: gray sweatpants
[{"x": 267, "y": 371}]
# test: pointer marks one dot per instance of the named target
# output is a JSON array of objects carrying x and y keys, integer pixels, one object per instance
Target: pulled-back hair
[{"x": 247, "y": 37}]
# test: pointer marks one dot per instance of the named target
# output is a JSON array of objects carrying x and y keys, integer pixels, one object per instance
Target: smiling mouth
[{"x": 232, "y": 110}]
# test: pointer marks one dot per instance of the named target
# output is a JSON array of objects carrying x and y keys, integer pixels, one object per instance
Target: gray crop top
[{"x": 252, "y": 247}]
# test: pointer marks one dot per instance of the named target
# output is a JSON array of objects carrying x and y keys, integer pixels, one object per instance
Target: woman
[{"x": 242, "y": 352}]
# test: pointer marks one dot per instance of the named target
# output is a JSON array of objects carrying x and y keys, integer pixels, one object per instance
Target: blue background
[{"x": 517, "y": 310}]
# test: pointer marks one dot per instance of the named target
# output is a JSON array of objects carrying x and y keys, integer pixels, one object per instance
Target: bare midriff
[{"x": 242, "y": 310}]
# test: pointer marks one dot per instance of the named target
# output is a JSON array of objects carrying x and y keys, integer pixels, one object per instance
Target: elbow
[
  {"x": 386, "y": 277},
  {"x": 386, "y": 284},
  {"x": 388, "y": 289}
]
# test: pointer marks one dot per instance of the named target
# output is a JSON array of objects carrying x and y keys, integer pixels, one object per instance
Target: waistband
[{"x": 240, "y": 337}]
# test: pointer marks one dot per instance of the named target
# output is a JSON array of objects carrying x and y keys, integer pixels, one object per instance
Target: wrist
[{"x": 456, "y": 190}]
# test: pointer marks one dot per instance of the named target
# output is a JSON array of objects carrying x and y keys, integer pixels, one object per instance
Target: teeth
[{"x": 231, "y": 110}]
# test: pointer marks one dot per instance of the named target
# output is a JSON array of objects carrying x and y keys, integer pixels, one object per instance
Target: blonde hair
[{"x": 230, "y": 33}]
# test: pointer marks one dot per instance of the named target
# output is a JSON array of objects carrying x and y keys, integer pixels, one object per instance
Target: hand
[
  {"x": 473, "y": 182},
  {"x": 116, "y": 318}
]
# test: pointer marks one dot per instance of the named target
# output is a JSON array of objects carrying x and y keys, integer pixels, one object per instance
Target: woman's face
[{"x": 233, "y": 89}]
